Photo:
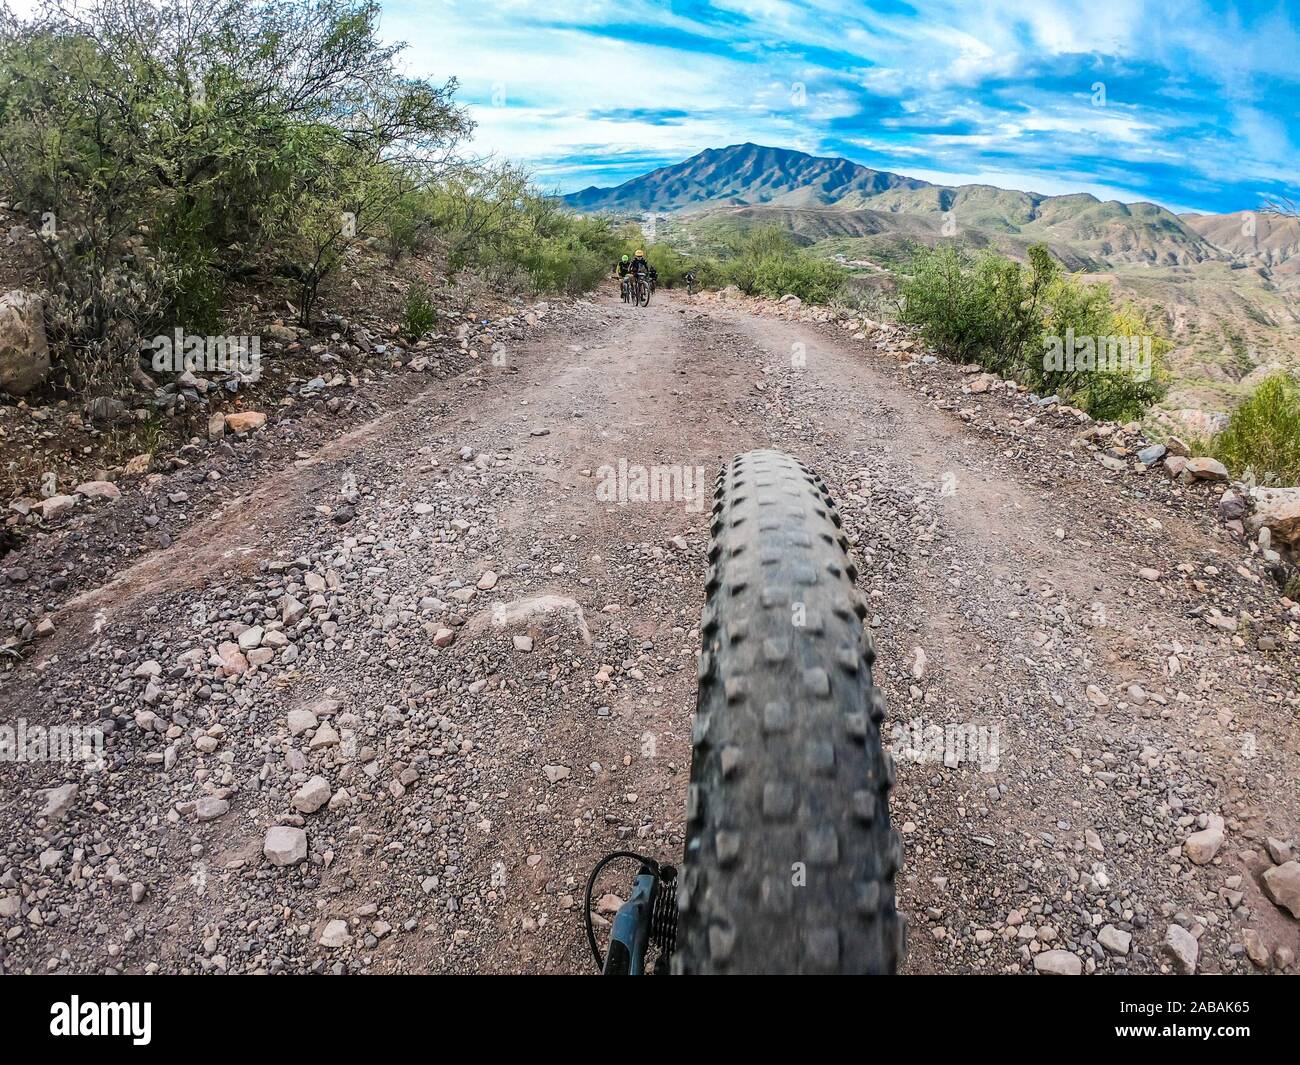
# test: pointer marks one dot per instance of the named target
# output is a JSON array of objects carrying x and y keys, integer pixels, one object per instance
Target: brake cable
[{"x": 649, "y": 863}]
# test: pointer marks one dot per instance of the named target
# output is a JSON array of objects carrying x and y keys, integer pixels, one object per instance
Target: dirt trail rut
[{"x": 1062, "y": 724}]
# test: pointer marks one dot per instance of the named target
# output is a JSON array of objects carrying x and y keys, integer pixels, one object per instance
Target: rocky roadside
[{"x": 53, "y": 548}]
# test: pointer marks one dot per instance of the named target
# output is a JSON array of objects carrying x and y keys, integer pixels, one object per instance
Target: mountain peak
[{"x": 753, "y": 173}]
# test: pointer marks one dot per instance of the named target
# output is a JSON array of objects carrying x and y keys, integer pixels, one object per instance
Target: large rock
[
  {"x": 1278, "y": 510},
  {"x": 1282, "y": 885},
  {"x": 1206, "y": 469},
  {"x": 24, "y": 352},
  {"x": 285, "y": 846}
]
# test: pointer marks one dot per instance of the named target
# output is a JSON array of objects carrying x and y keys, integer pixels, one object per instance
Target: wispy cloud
[{"x": 1191, "y": 103}]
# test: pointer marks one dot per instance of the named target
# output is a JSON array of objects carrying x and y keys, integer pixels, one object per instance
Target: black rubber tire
[{"x": 788, "y": 773}]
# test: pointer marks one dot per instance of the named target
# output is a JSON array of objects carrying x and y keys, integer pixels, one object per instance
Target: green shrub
[
  {"x": 168, "y": 143},
  {"x": 1128, "y": 373},
  {"x": 812, "y": 280},
  {"x": 767, "y": 262},
  {"x": 489, "y": 218},
  {"x": 984, "y": 309},
  {"x": 1263, "y": 433},
  {"x": 1053, "y": 333},
  {"x": 418, "y": 313}
]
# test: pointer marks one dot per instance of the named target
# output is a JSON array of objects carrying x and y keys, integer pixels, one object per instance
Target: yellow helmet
[{"x": 640, "y": 254}]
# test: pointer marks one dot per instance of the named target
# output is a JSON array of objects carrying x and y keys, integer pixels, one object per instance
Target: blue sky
[{"x": 1192, "y": 105}]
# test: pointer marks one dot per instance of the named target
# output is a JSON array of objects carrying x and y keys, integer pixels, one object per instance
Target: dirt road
[{"x": 343, "y": 649}]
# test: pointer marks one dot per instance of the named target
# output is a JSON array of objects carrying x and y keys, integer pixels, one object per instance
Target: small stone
[
  {"x": 487, "y": 582},
  {"x": 300, "y": 721},
  {"x": 1256, "y": 951},
  {"x": 245, "y": 421},
  {"x": 556, "y": 773},
  {"x": 98, "y": 490},
  {"x": 1181, "y": 948},
  {"x": 285, "y": 846},
  {"x": 312, "y": 795},
  {"x": 335, "y": 935},
  {"x": 292, "y": 610},
  {"x": 210, "y": 807},
  {"x": 251, "y": 638},
  {"x": 1282, "y": 885},
  {"x": 1115, "y": 940},
  {"x": 1206, "y": 469},
  {"x": 523, "y": 643},
  {"x": 325, "y": 736},
  {"x": 1280, "y": 851},
  {"x": 1201, "y": 847},
  {"x": 1058, "y": 963},
  {"x": 58, "y": 801},
  {"x": 56, "y": 506}
]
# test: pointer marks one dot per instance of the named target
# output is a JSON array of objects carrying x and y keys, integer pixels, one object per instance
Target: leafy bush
[
  {"x": 418, "y": 314},
  {"x": 1054, "y": 333},
  {"x": 562, "y": 252},
  {"x": 1263, "y": 433},
  {"x": 489, "y": 218},
  {"x": 985, "y": 309},
  {"x": 160, "y": 143},
  {"x": 670, "y": 264},
  {"x": 767, "y": 262},
  {"x": 1127, "y": 373}
]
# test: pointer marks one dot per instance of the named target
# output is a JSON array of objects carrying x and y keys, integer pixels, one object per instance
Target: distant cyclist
[
  {"x": 639, "y": 270},
  {"x": 689, "y": 278},
  {"x": 653, "y": 275},
  {"x": 624, "y": 267}
]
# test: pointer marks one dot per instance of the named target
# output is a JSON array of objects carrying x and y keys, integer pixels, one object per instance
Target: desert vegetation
[
  {"x": 761, "y": 261},
  {"x": 158, "y": 152},
  {"x": 1032, "y": 321},
  {"x": 1262, "y": 438}
]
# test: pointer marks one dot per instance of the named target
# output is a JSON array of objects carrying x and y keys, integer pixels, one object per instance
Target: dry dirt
[{"x": 481, "y": 780}]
